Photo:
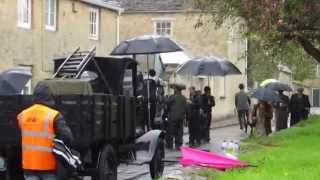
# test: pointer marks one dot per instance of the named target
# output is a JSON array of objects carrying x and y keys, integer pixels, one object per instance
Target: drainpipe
[
  {"x": 118, "y": 26},
  {"x": 246, "y": 63}
]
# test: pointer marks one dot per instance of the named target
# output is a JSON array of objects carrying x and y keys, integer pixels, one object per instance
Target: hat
[
  {"x": 300, "y": 89},
  {"x": 178, "y": 86}
]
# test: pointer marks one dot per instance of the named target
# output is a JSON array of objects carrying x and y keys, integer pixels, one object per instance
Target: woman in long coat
[{"x": 261, "y": 117}]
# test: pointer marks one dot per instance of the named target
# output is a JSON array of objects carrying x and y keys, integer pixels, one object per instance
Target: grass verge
[{"x": 290, "y": 154}]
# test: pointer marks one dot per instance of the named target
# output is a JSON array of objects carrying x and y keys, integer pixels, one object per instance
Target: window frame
[
  {"x": 313, "y": 103},
  {"x": 92, "y": 24},
  {"x": 163, "y": 21},
  {"x": 20, "y": 13},
  {"x": 48, "y": 12}
]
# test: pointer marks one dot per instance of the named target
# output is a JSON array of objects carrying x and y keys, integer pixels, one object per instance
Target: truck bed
[{"x": 93, "y": 119}]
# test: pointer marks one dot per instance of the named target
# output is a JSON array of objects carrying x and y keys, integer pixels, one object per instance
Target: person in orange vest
[{"x": 39, "y": 125}]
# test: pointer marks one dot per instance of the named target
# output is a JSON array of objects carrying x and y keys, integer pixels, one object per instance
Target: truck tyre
[
  {"x": 156, "y": 164},
  {"x": 107, "y": 167}
]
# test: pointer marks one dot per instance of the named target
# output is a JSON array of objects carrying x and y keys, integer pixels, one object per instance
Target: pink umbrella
[{"x": 195, "y": 157}]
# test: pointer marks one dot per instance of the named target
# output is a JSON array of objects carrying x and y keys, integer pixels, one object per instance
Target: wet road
[{"x": 135, "y": 172}]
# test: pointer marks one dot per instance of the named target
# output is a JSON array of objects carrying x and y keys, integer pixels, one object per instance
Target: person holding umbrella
[
  {"x": 261, "y": 117},
  {"x": 193, "y": 117},
  {"x": 281, "y": 108},
  {"x": 282, "y": 111},
  {"x": 262, "y": 112},
  {"x": 177, "y": 108},
  {"x": 150, "y": 88},
  {"x": 146, "y": 45},
  {"x": 207, "y": 66},
  {"x": 207, "y": 102}
]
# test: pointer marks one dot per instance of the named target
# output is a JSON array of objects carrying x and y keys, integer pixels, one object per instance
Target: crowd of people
[
  {"x": 196, "y": 111},
  {"x": 298, "y": 107}
]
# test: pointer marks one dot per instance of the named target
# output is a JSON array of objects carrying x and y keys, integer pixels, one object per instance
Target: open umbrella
[
  {"x": 12, "y": 81},
  {"x": 265, "y": 94},
  {"x": 277, "y": 86},
  {"x": 208, "y": 66},
  {"x": 267, "y": 81},
  {"x": 195, "y": 157},
  {"x": 147, "y": 44}
]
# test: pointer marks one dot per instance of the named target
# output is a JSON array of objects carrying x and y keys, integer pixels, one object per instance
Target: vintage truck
[{"x": 97, "y": 97}]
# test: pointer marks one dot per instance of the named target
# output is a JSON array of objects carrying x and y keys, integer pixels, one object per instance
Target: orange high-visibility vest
[{"x": 37, "y": 131}]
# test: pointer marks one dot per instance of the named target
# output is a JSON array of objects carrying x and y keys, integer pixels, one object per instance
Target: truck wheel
[
  {"x": 156, "y": 164},
  {"x": 107, "y": 167}
]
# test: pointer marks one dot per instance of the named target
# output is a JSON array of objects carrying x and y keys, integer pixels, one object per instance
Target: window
[
  {"x": 51, "y": 14},
  {"x": 317, "y": 71},
  {"x": 28, "y": 87},
  {"x": 163, "y": 28},
  {"x": 94, "y": 24},
  {"x": 24, "y": 13},
  {"x": 316, "y": 97}
]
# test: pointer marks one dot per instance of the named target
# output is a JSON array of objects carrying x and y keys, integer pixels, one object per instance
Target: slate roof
[
  {"x": 152, "y": 5},
  {"x": 142, "y": 5},
  {"x": 113, "y": 5}
]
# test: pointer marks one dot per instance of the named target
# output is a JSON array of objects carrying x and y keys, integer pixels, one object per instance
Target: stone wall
[{"x": 37, "y": 46}]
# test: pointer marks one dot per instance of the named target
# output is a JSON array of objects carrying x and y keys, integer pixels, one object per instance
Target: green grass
[{"x": 291, "y": 154}]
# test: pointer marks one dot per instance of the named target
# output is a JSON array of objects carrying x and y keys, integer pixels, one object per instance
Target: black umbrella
[
  {"x": 12, "y": 81},
  {"x": 278, "y": 86},
  {"x": 208, "y": 66},
  {"x": 148, "y": 44},
  {"x": 265, "y": 94}
]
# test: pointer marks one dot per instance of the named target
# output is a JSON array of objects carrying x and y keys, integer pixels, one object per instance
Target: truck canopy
[
  {"x": 113, "y": 70},
  {"x": 69, "y": 86}
]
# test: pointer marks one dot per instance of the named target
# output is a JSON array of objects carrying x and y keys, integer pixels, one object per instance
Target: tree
[
  {"x": 275, "y": 21},
  {"x": 264, "y": 60}
]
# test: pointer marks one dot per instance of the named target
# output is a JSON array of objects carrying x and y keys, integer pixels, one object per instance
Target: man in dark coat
[
  {"x": 282, "y": 111},
  {"x": 177, "y": 107},
  {"x": 150, "y": 104},
  {"x": 299, "y": 107},
  {"x": 193, "y": 117},
  {"x": 207, "y": 102}
]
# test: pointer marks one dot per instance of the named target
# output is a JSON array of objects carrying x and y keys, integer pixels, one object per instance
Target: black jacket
[
  {"x": 207, "y": 102},
  {"x": 42, "y": 95},
  {"x": 299, "y": 105}
]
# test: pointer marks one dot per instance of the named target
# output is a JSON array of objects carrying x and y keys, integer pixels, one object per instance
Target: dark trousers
[
  {"x": 194, "y": 128},
  {"x": 297, "y": 117},
  {"x": 267, "y": 125},
  {"x": 175, "y": 132},
  {"x": 206, "y": 121},
  {"x": 281, "y": 119},
  {"x": 243, "y": 119},
  {"x": 150, "y": 125}
]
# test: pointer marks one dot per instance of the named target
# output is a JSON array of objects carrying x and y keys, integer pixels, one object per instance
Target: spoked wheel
[
  {"x": 107, "y": 167},
  {"x": 157, "y": 165}
]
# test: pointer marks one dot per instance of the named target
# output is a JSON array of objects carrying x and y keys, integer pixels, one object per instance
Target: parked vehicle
[{"x": 97, "y": 97}]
